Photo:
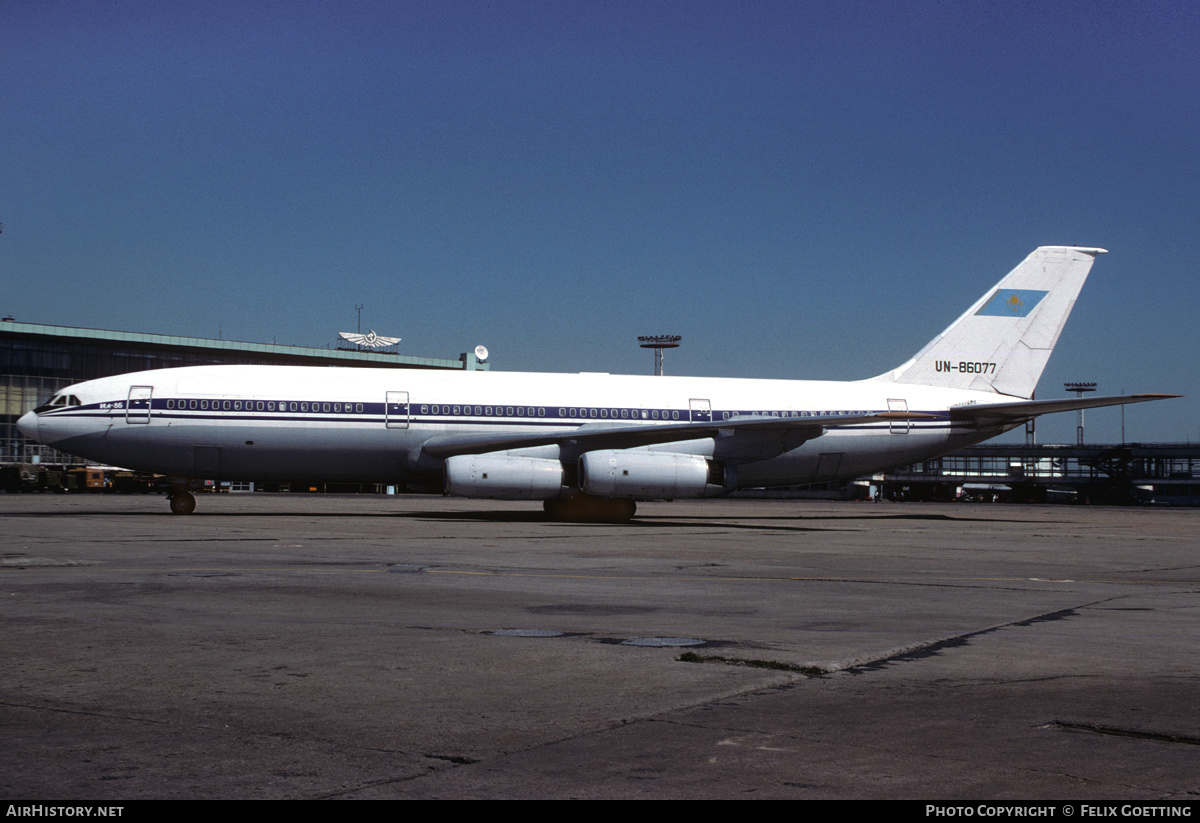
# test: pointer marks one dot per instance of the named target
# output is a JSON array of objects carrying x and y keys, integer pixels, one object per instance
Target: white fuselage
[{"x": 281, "y": 423}]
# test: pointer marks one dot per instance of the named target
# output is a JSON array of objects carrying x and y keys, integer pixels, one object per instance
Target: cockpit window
[{"x": 58, "y": 401}]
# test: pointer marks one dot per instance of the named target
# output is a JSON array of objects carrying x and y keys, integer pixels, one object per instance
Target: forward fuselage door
[
  {"x": 137, "y": 409},
  {"x": 395, "y": 410},
  {"x": 701, "y": 410}
]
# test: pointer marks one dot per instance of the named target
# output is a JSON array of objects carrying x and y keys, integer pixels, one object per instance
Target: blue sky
[{"x": 805, "y": 190}]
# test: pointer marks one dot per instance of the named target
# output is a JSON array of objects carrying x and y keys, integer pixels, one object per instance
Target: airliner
[{"x": 587, "y": 445}]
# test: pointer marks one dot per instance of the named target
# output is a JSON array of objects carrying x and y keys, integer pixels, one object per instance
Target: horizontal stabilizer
[{"x": 989, "y": 413}]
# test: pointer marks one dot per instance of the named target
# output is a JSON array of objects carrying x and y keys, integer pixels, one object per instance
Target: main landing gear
[
  {"x": 182, "y": 502},
  {"x": 587, "y": 508}
]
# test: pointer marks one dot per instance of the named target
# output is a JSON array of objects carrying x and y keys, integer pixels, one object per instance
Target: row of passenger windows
[
  {"x": 609, "y": 414},
  {"x": 563, "y": 411},
  {"x": 482, "y": 411},
  {"x": 489, "y": 411},
  {"x": 265, "y": 405}
]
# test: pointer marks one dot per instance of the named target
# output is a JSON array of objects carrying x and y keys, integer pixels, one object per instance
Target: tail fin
[{"x": 1003, "y": 342}]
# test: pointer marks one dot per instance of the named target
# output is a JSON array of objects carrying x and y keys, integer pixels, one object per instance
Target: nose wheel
[{"x": 182, "y": 503}]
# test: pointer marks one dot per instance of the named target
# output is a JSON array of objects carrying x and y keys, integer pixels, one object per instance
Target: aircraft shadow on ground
[{"x": 666, "y": 521}]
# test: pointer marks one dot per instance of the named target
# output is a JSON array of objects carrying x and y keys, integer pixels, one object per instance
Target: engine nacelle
[
  {"x": 503, "y": 478},
  {"x": 645, "y": 475}
]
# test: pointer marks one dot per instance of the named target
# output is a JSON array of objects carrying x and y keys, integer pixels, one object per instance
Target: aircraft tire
[
  {"x": 623, "y": 509},
  {"x": 183, "y": 503}
]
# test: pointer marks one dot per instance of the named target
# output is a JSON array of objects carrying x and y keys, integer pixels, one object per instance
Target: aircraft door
[
  {"x": 395, "y": 412},
  {"x": 828, "y": 466},
  {"x": 701, "y": 410},
  {"x": 137, "y": 409},
  {"x": 898, "y": 405},
  {"x": 208, "y": 462}
]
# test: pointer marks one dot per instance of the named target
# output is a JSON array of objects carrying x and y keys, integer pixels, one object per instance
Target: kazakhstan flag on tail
[{"x": 1011, "y": 303}]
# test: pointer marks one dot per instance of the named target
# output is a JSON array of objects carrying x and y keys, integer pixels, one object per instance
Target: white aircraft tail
[{"x": 1002, "y": 343}]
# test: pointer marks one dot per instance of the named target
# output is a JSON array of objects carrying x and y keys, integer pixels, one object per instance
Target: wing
[{"x": 624, "y": 436}]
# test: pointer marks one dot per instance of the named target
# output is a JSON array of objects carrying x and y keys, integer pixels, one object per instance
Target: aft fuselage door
[
  {"x": 396, "y": 410},
  {"x": 137, "y": 409},
  {"x": 701, "y": 410},
  {"x": 898, "y": 405}
]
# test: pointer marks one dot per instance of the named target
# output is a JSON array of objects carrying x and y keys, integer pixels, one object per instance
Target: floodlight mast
[
  {"x": 659, "y": 342},
  {"x": 1079, "y": 389}
]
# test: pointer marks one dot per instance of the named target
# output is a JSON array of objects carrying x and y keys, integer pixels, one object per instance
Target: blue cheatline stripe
[
  {"x": 1011, "y": 303},
  {"x": 375, "y": 413}
]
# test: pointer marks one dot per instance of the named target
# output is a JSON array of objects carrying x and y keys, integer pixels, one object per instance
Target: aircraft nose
[{"x": 28, "y": 426}]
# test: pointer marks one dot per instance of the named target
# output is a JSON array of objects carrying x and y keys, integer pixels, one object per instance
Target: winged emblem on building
[{"x": 370, "y": 340}]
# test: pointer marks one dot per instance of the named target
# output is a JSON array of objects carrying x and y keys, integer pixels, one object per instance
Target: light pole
[
  {"x": 1079, "y": 389},
  {"x": 659, "y": 342}
]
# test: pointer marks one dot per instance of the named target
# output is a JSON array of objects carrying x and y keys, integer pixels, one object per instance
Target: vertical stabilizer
[{"x": 1002, "y": 343}]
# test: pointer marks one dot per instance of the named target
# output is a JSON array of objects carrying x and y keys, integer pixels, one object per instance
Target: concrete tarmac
[{"x": 296, "y": 646}]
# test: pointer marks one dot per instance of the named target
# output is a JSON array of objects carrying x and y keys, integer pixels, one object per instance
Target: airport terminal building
[{"x": 37, "y": 360}]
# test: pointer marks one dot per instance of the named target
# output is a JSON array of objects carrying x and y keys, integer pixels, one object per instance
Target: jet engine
[
  {"x": 644, "y": 475},
  {"x": 503, "y": 478}
]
